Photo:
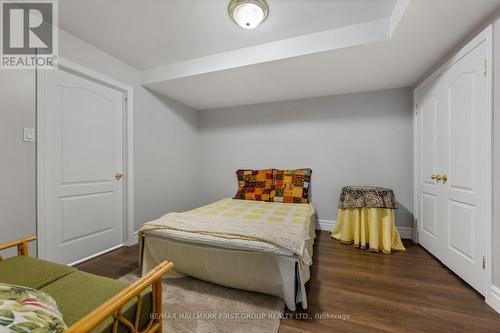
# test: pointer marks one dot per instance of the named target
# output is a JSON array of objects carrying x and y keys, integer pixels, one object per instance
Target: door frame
[
  {"x": 485, "y": 36},
  {"x": 128, "y": 151}
]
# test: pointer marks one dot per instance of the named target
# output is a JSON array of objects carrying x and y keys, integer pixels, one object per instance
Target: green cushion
[
  {"x": 31, "y": 272},
  {"x": 79, "y": 293}
]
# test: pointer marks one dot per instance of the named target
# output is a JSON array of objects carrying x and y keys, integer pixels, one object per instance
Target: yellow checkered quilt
[{"x": 282, "y": 224}]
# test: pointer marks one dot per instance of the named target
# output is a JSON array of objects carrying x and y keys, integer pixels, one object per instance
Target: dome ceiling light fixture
[{"x": 248, "y": 14}]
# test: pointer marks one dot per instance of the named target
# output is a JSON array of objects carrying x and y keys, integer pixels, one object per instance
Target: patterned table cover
[{"x": 367, "y": 196}]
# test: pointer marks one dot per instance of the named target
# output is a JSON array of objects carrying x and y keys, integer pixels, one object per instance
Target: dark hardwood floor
[
  {"x": 114, "y": 264},
  {"x": 403, "y": 292}
]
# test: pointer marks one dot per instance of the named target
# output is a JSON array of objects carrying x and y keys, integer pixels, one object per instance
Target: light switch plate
[{"x": 29, "y": 134}]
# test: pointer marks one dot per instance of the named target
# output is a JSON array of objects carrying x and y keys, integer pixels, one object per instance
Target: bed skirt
[{"x": 268, "y": 273}]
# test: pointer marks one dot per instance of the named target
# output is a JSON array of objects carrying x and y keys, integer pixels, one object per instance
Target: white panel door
[
  {"x": 427, "y": 156},
  {"x": 467, "y": 160},
  {"x": 82, "y": 207},
  {"x": 454, "y": 140}
]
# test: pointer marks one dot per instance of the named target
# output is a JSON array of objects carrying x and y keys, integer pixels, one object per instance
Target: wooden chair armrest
[
  {"x": 112, "y": 307},
  {"x": 22, "y": 245}
]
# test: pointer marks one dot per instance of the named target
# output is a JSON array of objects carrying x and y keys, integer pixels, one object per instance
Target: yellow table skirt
[{"x": 371, "y": 228}]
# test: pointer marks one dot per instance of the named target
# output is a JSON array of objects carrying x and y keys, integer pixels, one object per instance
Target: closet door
[
  {"x": 454, "y": 165},
  {"x": 467, "y": 157},
  {"x": 429, "y": 191}
]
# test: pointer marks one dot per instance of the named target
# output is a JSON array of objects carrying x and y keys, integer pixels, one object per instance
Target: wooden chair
[{"x": 112, "y": 307}]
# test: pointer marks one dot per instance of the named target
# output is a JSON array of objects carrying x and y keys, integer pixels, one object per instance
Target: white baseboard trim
[
  {"x": 493, "y": 298},
  {"x": 405, "y": 232},
  {"x": 325, "y": 225},
  {"x": 328, "y": 225},
  {"x": 95, "y": 255},
  {"x": 134, "y": 239}
]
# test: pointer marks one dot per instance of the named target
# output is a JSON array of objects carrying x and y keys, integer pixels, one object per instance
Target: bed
[{"x": 258, "y": 246}]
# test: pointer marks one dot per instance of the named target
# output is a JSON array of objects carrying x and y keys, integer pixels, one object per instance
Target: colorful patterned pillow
[
  {"x": 25, "y": 309},
  {"x": 291, "y": 186},
  {"x": 254, "y": 184}
]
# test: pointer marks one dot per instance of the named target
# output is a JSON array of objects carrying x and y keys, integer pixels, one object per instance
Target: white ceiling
[
  {"x": 150, "y": 33},
  {"x": 190, "y": 50}
]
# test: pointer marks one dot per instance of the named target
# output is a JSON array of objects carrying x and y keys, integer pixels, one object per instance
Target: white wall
[
  {"x": 357, "y": 139},
  {"x": 17, "y": 158},
  {"x": 165, "y": 142},
  {"x": 166, "y": 157}
]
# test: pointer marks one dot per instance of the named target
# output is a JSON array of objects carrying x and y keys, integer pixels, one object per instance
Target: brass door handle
[
  {"x": 118, "y": 175},
  {"x": 439, "y": 177}
]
